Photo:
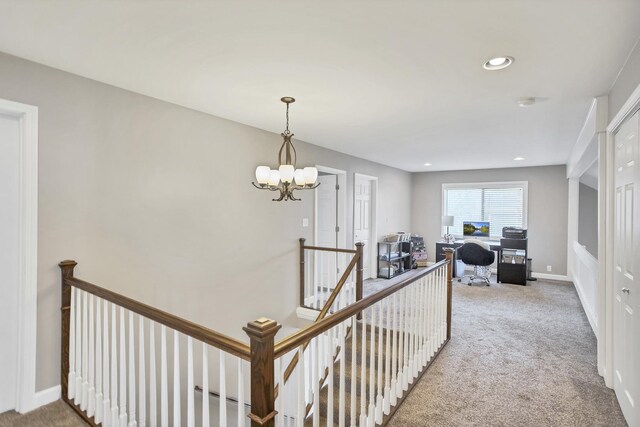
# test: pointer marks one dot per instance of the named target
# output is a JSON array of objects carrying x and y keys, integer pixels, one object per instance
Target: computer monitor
[{"x": 475, "y": 229}]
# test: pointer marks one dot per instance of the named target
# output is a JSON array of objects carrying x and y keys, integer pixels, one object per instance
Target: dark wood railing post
[
  {"x": 261, "y": 333},
  {"x": 302, "y": 240},
  {"x": 66, "y": 268},
  {"x": 448, "y": 253},
  {"x": 359, "y": 251}
]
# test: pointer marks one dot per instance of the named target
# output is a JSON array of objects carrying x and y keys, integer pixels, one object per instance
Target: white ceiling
[{"x": 397, "y": 82}]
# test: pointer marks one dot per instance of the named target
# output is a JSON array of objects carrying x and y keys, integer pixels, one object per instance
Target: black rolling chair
[{"x": 478, "y": 254}]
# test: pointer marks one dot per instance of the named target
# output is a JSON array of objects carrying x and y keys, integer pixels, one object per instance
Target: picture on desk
[{"x": 475, "y": 228}]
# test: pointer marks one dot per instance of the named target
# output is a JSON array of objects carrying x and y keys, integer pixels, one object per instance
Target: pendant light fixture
[{"x": 286, "y": 178}]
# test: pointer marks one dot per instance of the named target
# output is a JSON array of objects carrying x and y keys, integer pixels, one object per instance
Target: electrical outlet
[
  {"x": 305, "y": 222},
  {"x": 548, "y": 268}
]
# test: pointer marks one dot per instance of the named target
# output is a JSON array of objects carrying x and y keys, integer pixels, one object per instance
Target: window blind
[{"x": 502, "y": 205}]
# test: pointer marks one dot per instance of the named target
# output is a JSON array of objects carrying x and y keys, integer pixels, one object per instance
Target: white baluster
[
  {"x": 91, "y": 391},
  {"x": 132, "y": 374},
  {"x": 315, "y": 350},
  {"x": 425, "y": 322},
  {"x": 205, "y": 386},
  {"x": 379, "y": 398},
  {"x": 329, "y": 358},
  {"x": 407, "y": 339},
  {"x": 342, "y": 391},
  {"x": 363, "y": 372},
  {"x": 164, "y": 379},
  {"x": 241, "y": 414},
  {"x": 387, "y": 359},
  {"x": 177, "y": 416},
  {"x": 106, "y": 402},
  {"x": 114, "y": 369},
  {"x": 416, "y": 329},
  {"x": 431, "y": 314},
  {"x": 354, "y": 353},
  {"x": 223, "y": 391},
  {"x": 400, "y": 361},
  {"x": 153, "y": 409},
  {"x": 78, "y": 347},
  {"x": 98, "y": 365},
  {"x": 191, "y": 411},
  {"x": 372, "y": 369},
  {"x": 300, "y": 407},
  {"x": 123, "y": 372},
  {"x": 412, "y": 331},
  {"x": 142, "y": 378},
  {"x": 71, "y": 381},
  {"x": 443, "y": 308},
  {"x": 84, "y": 400},
  {"x": 393, "y": 398}
]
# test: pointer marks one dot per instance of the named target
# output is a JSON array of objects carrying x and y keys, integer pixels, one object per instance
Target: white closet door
[{"x": 626, "y": 327}]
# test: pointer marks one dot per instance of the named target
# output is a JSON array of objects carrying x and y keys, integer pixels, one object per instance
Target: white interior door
[
  {"x": 626, "y": 322},
  {"x": 327, "y": 230},
  {"x": 9, "y": 247},
  {"x": 362, "y": 224}
]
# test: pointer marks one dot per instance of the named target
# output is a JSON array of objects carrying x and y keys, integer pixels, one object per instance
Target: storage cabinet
[
  {"x": 394, "y": 258},
  {"x": 512, "y": 260}
]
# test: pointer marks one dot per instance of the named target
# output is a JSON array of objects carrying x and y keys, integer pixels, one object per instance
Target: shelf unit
[
  {"x": 394, "y": 258},
  {"x": 512, "y": 261}
]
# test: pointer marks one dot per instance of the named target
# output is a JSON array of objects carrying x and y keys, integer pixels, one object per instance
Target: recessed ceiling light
[
  {"x": 427, "y": 164},
  {"x": 498, "y": 63},
  {"x": 517, "y": 159}
]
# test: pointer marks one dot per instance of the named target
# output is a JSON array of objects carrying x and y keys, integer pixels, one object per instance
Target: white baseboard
[
  {"x": 46, "y": 396},
  {"x": 562, "y": 278}
]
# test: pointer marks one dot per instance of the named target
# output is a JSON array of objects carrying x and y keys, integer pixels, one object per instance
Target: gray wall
[
  {"x": 155, "y": 201},
  {"x": 626, "y": 83},
  {"x": 588, "y": 219},
  {"x": 547, "y": 216}
]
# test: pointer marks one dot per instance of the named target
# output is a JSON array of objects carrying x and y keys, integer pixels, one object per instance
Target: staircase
[{"x": 122, "y": 359}]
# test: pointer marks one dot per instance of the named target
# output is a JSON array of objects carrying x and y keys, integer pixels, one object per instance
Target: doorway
[
  {"x": 9, "y": 248},
  {"x": 329, "y": 225},
  {"x": 365, "y": 222},
  {"x": 19, "y": 247},
  {"x": 626, "y": 265}
]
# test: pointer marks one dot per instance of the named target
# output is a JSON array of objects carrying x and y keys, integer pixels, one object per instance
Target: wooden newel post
[
  {"x": 302, "y": 240},
  {"x": 359, "y": 269},
  {"x": 261, "y": 333},
  {"x": 66, "y": 268},
  {"x": 448, "y": 253}
]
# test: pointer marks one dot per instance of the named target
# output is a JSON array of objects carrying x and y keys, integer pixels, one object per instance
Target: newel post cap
[{"x": 262, "y": 328}]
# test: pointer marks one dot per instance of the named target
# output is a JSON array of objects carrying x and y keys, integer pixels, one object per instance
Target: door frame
[
  {"x": 627, "y": 110},
  {"x": 27, "y": 116},
  {"x": 373, "y": 258},
  {"x": 342, "y": 201}
]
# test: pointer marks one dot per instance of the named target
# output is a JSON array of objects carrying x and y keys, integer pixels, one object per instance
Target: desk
[
  {"x": 507, "y": 272},
  {"x": 440, "y": 246}
]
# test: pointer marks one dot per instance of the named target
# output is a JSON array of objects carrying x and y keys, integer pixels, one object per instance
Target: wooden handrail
[
  {"x": 209, "y": 336},
  {"x": 302, "y": 336},
  {"x": 320, "y": 248},
  {"x": 334, "y": 294}
]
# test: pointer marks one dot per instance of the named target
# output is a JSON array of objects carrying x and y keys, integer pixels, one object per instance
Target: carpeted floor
[{"x": 519, "y": 356}]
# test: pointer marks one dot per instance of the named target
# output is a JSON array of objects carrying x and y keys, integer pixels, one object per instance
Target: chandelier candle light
[{"x": 286, "y": 178}]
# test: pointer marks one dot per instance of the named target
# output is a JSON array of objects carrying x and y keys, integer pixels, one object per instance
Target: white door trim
[
  {"x": 374, "y": 220},
  {"x": 28, "y": 256},
  {"x": 627, "y": 110}
]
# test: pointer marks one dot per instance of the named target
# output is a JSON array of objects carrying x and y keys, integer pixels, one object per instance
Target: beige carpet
[{"x": 519, "y": 356}]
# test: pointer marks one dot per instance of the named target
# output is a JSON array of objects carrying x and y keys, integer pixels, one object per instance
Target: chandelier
[{"x": 286, "y": 178}]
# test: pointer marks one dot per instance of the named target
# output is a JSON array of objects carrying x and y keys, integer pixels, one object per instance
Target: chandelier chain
[{"x": 286, "y": 131}]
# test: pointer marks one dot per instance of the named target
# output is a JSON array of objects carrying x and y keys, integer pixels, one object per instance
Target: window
[{"x": 502, "y": 204}]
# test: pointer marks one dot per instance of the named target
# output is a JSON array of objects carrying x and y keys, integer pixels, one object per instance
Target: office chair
[{"x": 477, "y": 253}]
